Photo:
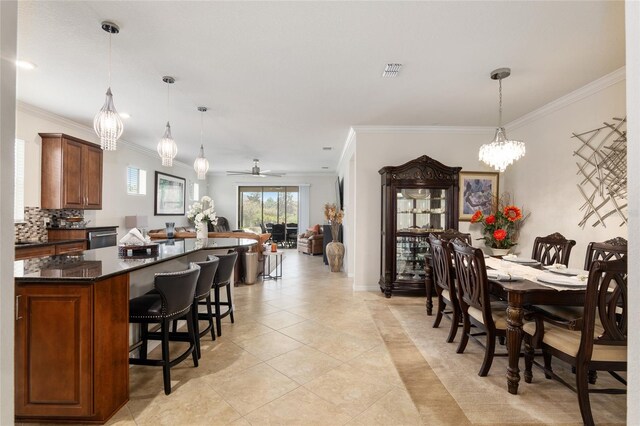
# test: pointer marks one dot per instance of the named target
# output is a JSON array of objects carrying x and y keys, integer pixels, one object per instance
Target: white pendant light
[
  {"x": 201, "y": 165},
  {"x": 167, "y": 148},
  {"x": 502, "y": 152},
  {"x": 107, "y": 123}
]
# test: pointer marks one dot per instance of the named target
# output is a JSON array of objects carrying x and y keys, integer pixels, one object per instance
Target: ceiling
[{"x": 284, "y": 79}]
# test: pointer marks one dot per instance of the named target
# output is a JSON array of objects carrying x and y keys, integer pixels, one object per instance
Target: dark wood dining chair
[
  {"x": 552, "y": 249},
  {"x": 615, "y": 248},
  {"x": 446, "y": 235},
  {"x": 475, "y": 304},
  {"x": 598, "y": 341},
  {"x": 278, "y": 233},
  {"x": 444, "y": 283}
]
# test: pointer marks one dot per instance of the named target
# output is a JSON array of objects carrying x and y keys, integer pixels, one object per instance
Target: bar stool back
[
  {"x": 223, "y": 279},
  {"x": 171, "y": 298}
]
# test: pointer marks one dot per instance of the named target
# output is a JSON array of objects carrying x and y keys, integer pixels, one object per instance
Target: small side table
[{"x": 266, "y": 271}]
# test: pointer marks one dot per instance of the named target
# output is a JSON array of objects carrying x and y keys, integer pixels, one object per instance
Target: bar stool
[
  {"x": 223, "y": 279},
  {"x": 208, "y": 270},
  {"x": 171, "y": 298}
]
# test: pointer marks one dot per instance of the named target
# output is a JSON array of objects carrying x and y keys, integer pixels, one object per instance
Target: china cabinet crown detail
[{"x": 418, "y": 197}]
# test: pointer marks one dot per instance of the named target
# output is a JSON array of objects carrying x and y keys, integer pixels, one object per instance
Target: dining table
[{"x": 520, "y": 293}]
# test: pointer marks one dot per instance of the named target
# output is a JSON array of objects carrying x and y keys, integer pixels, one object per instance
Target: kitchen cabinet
[
  {"x": 71, "y": 350},
  {"x": 418, "y": 198},
  {"x": 28, "y": 251},
  {"x": 71, "y": 173}
]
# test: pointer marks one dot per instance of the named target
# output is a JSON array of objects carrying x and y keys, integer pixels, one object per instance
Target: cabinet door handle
[{"x": 18, "y": 317}]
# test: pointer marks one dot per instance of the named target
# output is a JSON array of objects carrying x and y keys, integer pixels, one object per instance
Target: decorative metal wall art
[{"x": 602, "y": 167}]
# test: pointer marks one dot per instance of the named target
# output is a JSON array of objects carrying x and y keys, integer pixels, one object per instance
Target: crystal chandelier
[
  {"x": 167, "y": 148},
  {"x": 201, "y": 165},
  {"x": 107, "y": 123},
  {"x": 502, "y": 152}
]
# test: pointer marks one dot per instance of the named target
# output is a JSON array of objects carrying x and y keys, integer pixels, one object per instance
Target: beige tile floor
[{"x": 307, "y": 350}]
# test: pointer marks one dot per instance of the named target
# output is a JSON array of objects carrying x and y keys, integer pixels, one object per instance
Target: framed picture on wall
[
  {"x": 478, "y": 190},
  {"x": 169, "y": 195}
]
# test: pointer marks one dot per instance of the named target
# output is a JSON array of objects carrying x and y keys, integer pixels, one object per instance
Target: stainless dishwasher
[{"x": 104, "y": 238}]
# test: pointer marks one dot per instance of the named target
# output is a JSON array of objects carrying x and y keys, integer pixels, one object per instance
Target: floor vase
[{"x": 335, "y": 255}]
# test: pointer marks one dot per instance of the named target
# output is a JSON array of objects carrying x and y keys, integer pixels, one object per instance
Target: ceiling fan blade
[
  {"x": 233, "y": 172},
  {"x": 272, "y": 174}
]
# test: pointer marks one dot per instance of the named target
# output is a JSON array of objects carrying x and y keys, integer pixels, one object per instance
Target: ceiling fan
[{"x": 255, "y": 171}]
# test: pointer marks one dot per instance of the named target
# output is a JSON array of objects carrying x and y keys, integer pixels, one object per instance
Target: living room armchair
[{"x": 310, "y": 242}]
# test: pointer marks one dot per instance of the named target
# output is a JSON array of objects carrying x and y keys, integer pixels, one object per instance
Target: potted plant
[
  {"x": 201, "y": 213},
  {"x": 500, "y": 229}
]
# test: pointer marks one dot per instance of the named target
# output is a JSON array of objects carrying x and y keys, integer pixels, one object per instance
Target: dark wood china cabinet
[{"x": 418, "y": 197}]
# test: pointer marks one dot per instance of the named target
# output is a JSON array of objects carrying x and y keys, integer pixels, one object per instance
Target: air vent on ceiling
[
  {"x": 391, "y": 70},
  {"x": 327, "y": 148}
]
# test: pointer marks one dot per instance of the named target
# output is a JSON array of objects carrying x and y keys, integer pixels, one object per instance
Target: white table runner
[{"x": 527, "y": 272}]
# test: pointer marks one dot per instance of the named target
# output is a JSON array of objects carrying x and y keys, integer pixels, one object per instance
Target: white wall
[
  {"x": 224, "y": 191},
  {"x": 379, "y": 147},
  {"x": 8, "y": 37},
  {"x": 632, "y": 12},
  {"x": 116, "y": 204},
  {"x": 545, "y": 180}
]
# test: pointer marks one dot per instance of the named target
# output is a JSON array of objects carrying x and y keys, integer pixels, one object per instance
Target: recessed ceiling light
[
  {"x": 25, "y": 65},
  {"x": 124, "y": 115},
  {"x": 391, "y": 70},
  {"x": 327, "y": 148}
]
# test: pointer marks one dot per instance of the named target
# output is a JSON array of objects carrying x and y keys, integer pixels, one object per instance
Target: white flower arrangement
[{"x": 198, "y": 213}]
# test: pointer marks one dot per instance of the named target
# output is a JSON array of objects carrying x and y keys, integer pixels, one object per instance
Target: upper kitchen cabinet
[{"x": 71, "y": 173}]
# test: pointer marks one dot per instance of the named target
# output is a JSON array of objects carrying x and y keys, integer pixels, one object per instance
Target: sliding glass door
[{"x": 261, "y": 205}]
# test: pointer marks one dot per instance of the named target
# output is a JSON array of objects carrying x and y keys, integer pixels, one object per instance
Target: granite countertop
[
  {"x": 30, "y": 243},
  {"x": 97, "y": 264}
]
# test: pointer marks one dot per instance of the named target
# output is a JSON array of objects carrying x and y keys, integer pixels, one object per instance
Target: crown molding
[
  {"x": 424, "y": 129},
  {"x": 583, "y": 92},
  {"x": 346, "y": 147},
  {"x": 50, "y": 116}
]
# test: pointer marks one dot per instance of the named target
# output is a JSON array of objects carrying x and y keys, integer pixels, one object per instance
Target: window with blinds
[
  {"x": 136, "y": 181},
  {"x": 18, "y": 193}
]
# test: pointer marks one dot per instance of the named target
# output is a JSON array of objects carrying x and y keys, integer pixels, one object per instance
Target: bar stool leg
[
  {"x": 216, "y": 301},
  {"x": 144, "y": 329},
  {"x": 196, "y": 326},
  {"x": 166, "y": 367},
  {"x": 192, "y": 338},
  {"x": 210, "y": 315},
  {"x": 230, "y": 303}
]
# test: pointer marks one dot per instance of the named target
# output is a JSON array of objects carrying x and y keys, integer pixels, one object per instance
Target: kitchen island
[{"x": 72, "y": 332}]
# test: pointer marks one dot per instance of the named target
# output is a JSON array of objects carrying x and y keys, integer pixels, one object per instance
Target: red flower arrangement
[{"x": 500, "y": 229}]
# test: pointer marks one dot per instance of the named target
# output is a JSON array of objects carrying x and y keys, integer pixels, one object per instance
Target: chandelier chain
[
  {"x": 500, "y": 102},
  {"x": 110, "y": 59}
]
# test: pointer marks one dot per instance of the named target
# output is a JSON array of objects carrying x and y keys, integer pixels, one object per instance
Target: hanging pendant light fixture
[
  {"x": 502, "y": 152},
  {"x": 167, "y": 148},
  {"x": 201, "y": 165},
  {"x": 107, "y": 123}
]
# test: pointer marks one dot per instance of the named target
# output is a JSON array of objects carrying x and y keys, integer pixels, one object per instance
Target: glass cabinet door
[
  {"x": 420, "y": 210},
  {"x": 410, "y": 258}
]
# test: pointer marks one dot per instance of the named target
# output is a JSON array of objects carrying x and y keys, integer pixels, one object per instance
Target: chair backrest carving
[
  {"x": 442, "y": 265},
  {"x": 177, "y": 289},
  {"x": 606, "y": 298},
  {"x": 553, "y": 248},
  {"x": 471, "y": 276},
  {"x": 208, "y": 270},
  {"x": 615, "y": 248},
  {"x": 452, "y": 234}
]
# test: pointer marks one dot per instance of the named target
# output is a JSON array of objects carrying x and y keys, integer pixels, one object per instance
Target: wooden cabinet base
[{"x": 71, "y": 352}]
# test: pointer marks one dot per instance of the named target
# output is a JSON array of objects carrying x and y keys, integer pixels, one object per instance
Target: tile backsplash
[{"x": 33, "y": 228}]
